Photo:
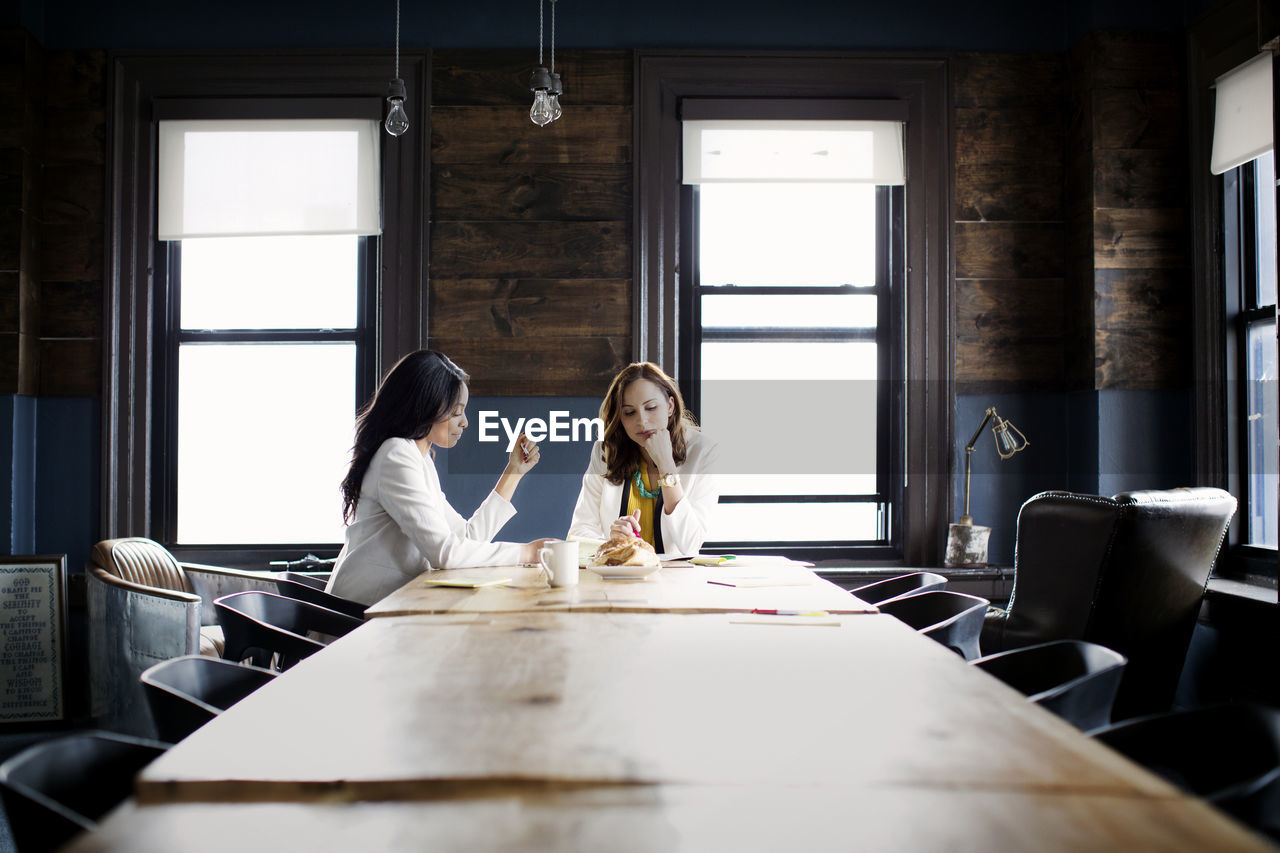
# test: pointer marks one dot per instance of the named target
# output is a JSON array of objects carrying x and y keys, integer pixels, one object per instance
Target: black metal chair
[
  {"x": 952, "y": 618},
  {"x": 258, "y": 625},
  {"x": 58, "y": 788},
  {"x": 1073, "y": 679},
  {"x": 1227, "y": 754},
  {"x": 916, "y": 582},
  {"x": 318, "y": 581},
  {"x": 187, "y": 692},
  {"x": 310, "y": 594}
]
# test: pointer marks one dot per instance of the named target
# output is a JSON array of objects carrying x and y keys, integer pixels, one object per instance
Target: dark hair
[
  {"x": 412, "y": 397},
  {"x": 622, "y": 456}
]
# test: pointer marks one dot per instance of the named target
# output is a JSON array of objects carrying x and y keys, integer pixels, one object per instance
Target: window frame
[
  {"x": 147, "y": 86},
  {"x": 913, "y": 89},
  {"x": 1217, "y": 43},
  {"x": 1242, "y": 311}
]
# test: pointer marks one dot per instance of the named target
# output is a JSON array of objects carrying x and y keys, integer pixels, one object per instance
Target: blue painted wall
[
  {"x": 1094, "y": 442},
  {"x": 67, "y": 477},
  {"x": 18, "y": 434},
  {"x": 52, "y": 484},
  {"x": 545, "y": 497}
]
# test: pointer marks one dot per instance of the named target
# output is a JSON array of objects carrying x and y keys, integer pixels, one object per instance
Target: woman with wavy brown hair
[{"x": 651, "y": 475}]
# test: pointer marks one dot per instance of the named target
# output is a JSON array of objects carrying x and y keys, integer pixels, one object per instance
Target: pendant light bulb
[
  {"x": 540, "y": 84},
  {"x": 541, "y": 111},
  {"x": 397, "y": 119},
  {"x": 553, "y": 96}
]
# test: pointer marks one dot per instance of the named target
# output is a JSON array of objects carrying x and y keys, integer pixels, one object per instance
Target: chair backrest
[
  {"x": 1227, "y": 754},
  {"x": 141, "y": 561},
  {"x": 952, "y": 618},
  {"x": 1127, "y": 572},
  {"x": 186, "y": 692},
  {"x": 311, "y": 595},
  {"x": 262, "y": 623},
  {"x": 1073, "y": 679},
  {"x": 58, "y": 788},
  {"x": 889, "y": 588},
  {"x": 316, "y": 581}
]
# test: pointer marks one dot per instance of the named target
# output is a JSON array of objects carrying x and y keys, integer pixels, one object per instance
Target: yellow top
[{"x": 648, "y": 506}]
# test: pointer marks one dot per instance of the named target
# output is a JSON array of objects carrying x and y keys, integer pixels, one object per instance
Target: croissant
[{"x": 625, "y": 551}]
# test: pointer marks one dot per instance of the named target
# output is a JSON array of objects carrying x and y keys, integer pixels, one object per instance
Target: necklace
[{"x": 639, "y": 481}]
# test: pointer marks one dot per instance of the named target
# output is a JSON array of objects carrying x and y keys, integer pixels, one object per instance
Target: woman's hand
[
  {"x": 627, "y": 525},
  {"x": 524, "y": 455},
  {"x": 658, "y": 448},
  {"x": 529, "y": 550}
]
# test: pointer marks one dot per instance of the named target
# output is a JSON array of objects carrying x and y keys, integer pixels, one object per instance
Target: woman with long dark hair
[
  {"x": 651, "y": 475},
  {"x": 399, "y": 523}
]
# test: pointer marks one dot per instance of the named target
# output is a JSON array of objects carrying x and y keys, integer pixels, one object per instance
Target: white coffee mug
[{"x": 560, "y": 559}]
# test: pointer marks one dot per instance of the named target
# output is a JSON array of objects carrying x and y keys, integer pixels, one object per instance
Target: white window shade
[
  {"x": 1242, "y": 117},
  {"x": 272, "y": 177},
  {"x": 793, "y": 151}
]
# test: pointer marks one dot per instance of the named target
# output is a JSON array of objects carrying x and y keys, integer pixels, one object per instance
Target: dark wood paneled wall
[
  {"x": 72, "y": 224},
  {"x": 1070, "y": 233},
  {"x": 52, "y": 155},
  {"x": 1129, "y": 281},
  {"x": 1009, "y": 228},
  {"x": 530, "y": 260},
  {"x": 21, "y": 99}
]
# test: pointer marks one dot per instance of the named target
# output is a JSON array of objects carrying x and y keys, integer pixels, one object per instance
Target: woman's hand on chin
[{"x": 658, "y": 448}]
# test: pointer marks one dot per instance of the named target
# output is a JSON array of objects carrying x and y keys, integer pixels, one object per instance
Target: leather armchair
[
  {"x": 145, "y": 607},
  {"x": 1126, "y": 572}
]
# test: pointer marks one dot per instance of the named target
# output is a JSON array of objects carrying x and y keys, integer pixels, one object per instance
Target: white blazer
[
  {"x": 404, "y": 526},
  {"x": 684, "y": 529}
]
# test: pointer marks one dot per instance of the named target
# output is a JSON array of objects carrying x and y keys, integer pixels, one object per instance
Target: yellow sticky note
[{"x": 466, "y": 583}]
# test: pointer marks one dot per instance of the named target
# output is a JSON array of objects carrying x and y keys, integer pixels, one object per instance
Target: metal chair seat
[
  {"x": 259, "y": 625},
  {"x": 56, "y": 789},
  {"x": 187, "y": 692},
  {"x": 1073, "y": 679},
  {"x": 896, "y": 587},
  {"x": 951, "y": 618}
]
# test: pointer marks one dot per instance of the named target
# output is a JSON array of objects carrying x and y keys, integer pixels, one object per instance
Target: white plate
[{"x": 623, "y": 571}]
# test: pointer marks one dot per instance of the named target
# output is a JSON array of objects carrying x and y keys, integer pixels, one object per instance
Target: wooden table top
[
  {"x": 685, "y": 819},
  {"x": 676, "y": 588},
  {"x": 420, "y": 706}
]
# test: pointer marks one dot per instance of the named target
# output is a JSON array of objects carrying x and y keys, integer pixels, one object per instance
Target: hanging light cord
[
  {"x": 553, "y": 34},
  {"x": 397, "y": 39},
  {"x": 539, "y": 31}
]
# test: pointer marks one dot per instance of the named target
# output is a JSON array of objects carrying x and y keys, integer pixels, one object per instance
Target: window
[
  {"x": 193, "y": 343},
  {"x": 698, "y": 323},
  {"x": 263, "y": 225},
  {"x": 797, "y": 266},
  {"x": 1249, "y": 220}
]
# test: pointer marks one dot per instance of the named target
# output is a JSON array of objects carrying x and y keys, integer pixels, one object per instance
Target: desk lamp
[{"x": 966, "y": 541}]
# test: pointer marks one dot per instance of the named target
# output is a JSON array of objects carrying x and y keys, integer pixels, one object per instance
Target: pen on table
[{"x": 764, "y": 612}]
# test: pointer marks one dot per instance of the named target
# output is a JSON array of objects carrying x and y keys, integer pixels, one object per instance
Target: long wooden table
[
  {"x": 544, "y": 727},
  {"x": 685, "y": 819},
  {"x": 407, "y": 706},
  {"x": 676, "y": 588}
]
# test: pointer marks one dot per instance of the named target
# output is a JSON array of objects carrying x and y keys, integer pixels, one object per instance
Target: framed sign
[{"x": 33, "y": 638}]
